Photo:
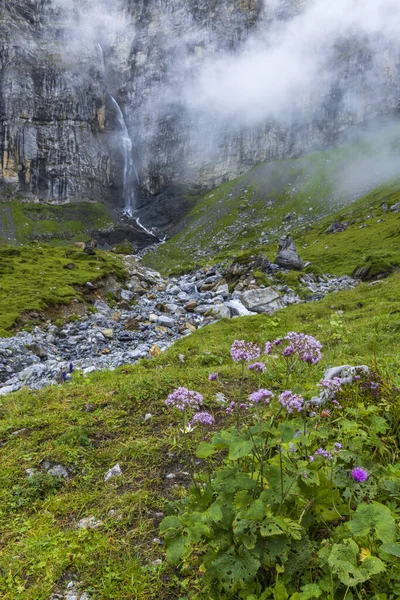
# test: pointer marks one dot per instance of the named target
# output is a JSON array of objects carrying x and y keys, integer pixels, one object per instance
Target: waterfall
[
  {"x": 101, "y": 55},
  {"x": 129, "y": 165},
  {"x": 130, "y": 172}
]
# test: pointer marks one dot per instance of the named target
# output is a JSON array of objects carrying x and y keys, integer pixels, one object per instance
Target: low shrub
[{"x": 299, "y": 497}]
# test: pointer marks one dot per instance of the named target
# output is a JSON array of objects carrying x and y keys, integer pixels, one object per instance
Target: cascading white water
[
  {"x": 129, "y": 166},
  {"x": 130, "y": 171}
]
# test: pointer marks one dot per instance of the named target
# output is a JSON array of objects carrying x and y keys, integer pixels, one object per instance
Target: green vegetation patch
[
  {"x": 22, "y": 222},
  {"x": 93, "y": 423},
  {"x": 35, "y": 277}
]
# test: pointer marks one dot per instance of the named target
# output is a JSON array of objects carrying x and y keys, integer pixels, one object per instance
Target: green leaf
[
  {"x": 343, "y": 562},
  {"x": 176, "y": 549},
  {"x": 393, "y": 549},
  {"x": 240, "y": 449},
  {"x": 373, "y": 516},
  {"x": 280, "y": 592},
  {"x": 170, "y": 523},
  {"x": 205, "y": 450},
  {"x": 287, "y": 431},
  {"x": 256, "y": 511},
  {"x": 231, "y": 480},
  {"x": 309, "y": 591},
  {"x": 214, "y": 513},
  {"x": 268, "y": 528},
  {"x": 234, "y": 571}
]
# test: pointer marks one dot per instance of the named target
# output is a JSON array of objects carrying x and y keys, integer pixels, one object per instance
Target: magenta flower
[
  {"x": 244, "y": 351},
  {"x": 261, "y": 396},
  {"x": 184, "y": 399},
  {"x": 257, "y": 366},
  {"x": 360, "y": 475},
  {"x": 291, "y": 401},
  {"x": 212, "y": 376},
  {"x": 204, "y": 418}
]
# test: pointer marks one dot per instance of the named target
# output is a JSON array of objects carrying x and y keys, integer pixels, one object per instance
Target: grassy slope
[
  {"x": 40, "y": 544},
  {"x": 34, "y": 277},
  {"x": 249, "y": 213},
  {"x": 22, "y": 222}
]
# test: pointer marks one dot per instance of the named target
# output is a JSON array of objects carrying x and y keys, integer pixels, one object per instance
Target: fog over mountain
[{"x": 205, "y": 92}]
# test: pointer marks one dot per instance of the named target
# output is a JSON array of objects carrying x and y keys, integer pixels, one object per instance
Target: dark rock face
[
  {"x": 59, "y": 135},
  {"x": 53, "y": 136}
]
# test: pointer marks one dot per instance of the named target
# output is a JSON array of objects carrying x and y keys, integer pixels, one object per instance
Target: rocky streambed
[{"x": 145, "y": 316}]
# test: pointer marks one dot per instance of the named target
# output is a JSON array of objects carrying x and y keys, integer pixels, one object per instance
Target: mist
[
  {"x": 303, "y": 68},
  {"x": 285, "y": 69}
]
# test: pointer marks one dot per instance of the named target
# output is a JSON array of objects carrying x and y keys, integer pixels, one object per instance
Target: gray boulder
[
  {"x": 288, "y": 257},
  {"x": 261, "y": 300}
]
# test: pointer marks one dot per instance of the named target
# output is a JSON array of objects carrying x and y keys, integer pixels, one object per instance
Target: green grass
[
  {"x": 40, "y": 545},
  {"x": 249, "y": 213},
  {"x": 22, "y": 222},
  {"x": 34, "y": 277}
]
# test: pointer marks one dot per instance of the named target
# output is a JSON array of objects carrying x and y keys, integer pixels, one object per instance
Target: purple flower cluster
[
  {"x": 184, "y": 399},
  {"x": 321, "y": 452},
  {"x": 268, "y": 348},
  {"x": 291, "y": 401},
  {"x": 244, "y": 351},
  {"x": 257, "y": 366},
  {"x": 359, "y": 475},
  {"x": 212, "y": 376},
  {"x": 231, "y": 408},
  {"x": 325, "y": 453},
  {"x": 331, "y": 385},
  {"x": 261, "y": 396},
  {"x": 204, "y": 418},
  {"x": 307, "y": 347}
]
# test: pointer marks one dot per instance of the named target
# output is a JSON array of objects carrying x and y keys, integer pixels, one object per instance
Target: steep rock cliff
[{"x": 59, "y": 135}]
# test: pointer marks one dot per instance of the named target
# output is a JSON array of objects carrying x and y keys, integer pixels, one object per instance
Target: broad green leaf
[
  {"x": 287, "y": 431},
  {"x": 196, "y": 532},
  {"x": 256, "y": 511},
  {"x": 393, "y": 549},
  {"x": 234, "y": 571},
  {"x": 240, "y": 449},
  {"x": 170, "y": 523},
  {"x": 268, "y": 529},
  {"x": 205, "y": 450},
  {"x": 309, "y": 591},
  {"x": 280, "y": 592},
  {"x": 373, "y": 516},
  {"x": 343, "y": 561},
  {"x": 231, "y": 480},
  {"x": 176, "y": 549},
  {"x": 214, "y": 513}
]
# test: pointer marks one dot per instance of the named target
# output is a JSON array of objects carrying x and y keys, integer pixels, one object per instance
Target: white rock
[
  {"x": 113, "y": 472},
  {"x": 8, "y": 389},
  {"x": 89, "y": 370},
  {"x": 58, "y": 471},
  {"x": 89, "y": 523},
  {"x": 238, "y": 309}
]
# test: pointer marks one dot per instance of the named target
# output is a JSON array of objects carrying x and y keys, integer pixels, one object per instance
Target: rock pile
[{"x": 144, "y": 318}]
